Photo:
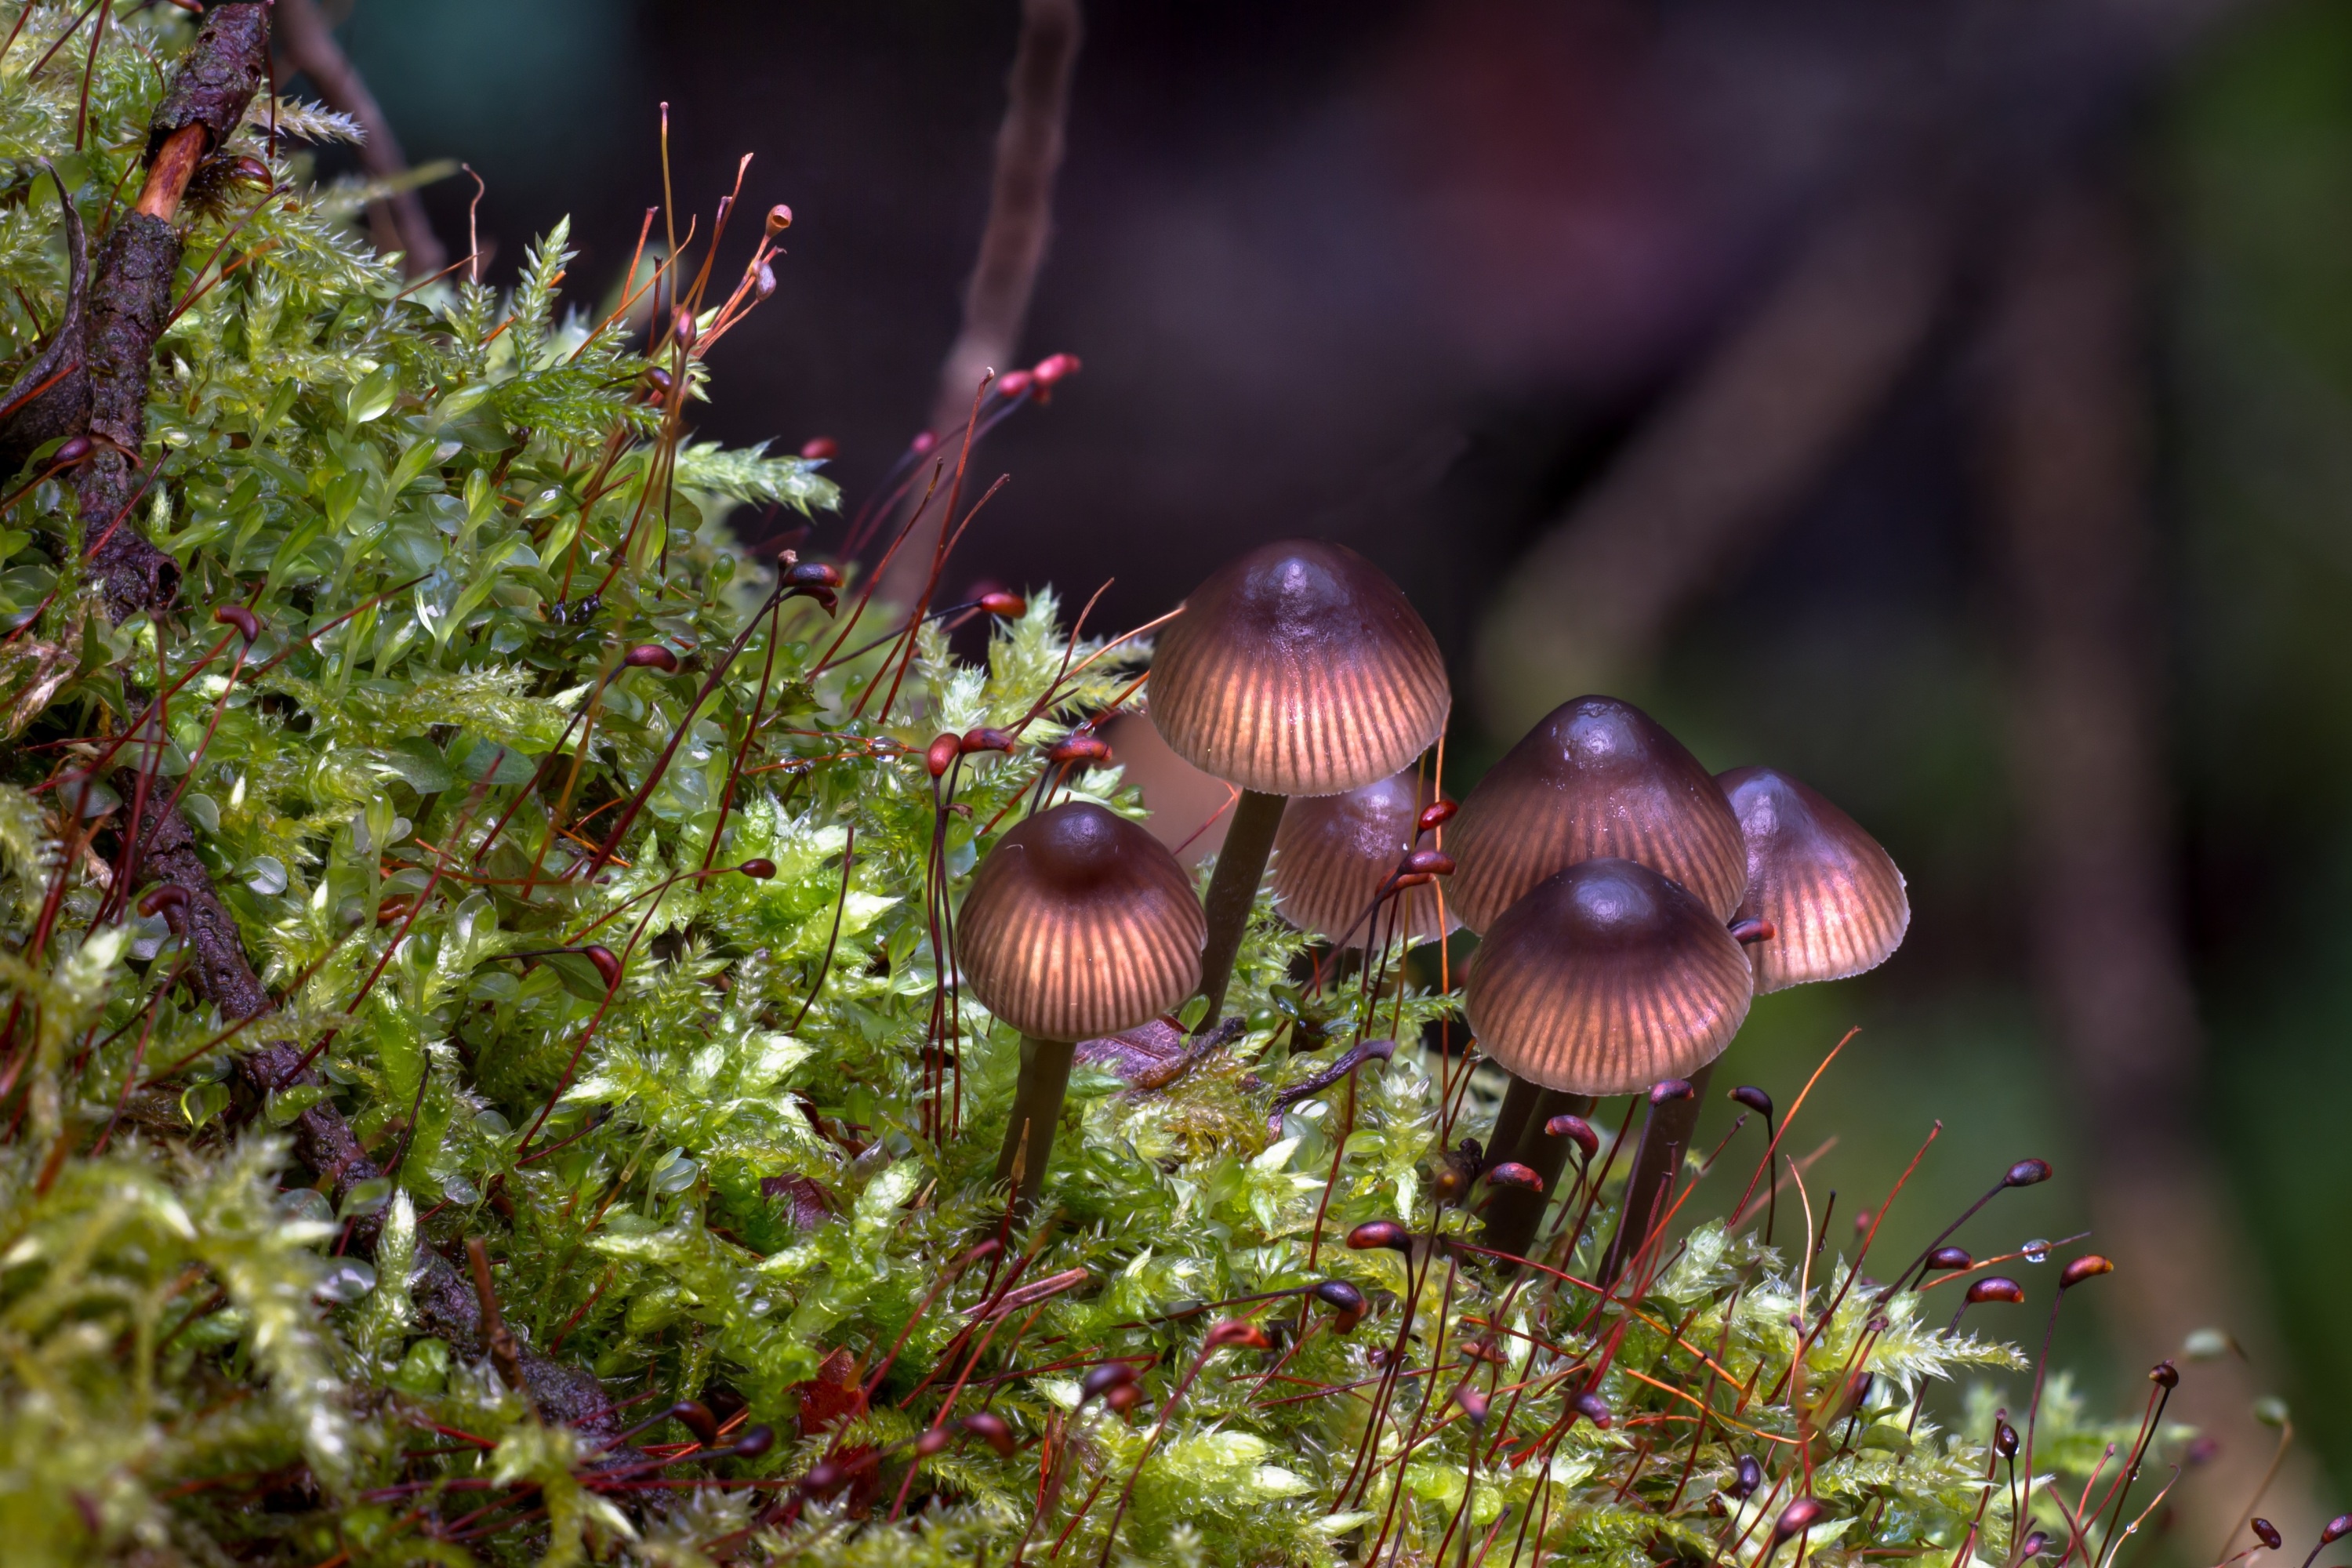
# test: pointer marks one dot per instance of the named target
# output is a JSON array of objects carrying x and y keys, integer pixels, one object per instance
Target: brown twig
[
  {"x": 400, "y": 219},
  {"x": 1012, "y": 247},
  {"x": 506, "y": 1350}
]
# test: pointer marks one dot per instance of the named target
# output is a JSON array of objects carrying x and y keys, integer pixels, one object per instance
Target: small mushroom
[
  {"x": 1606, "y": 979},
  {"x": 1298, "y": 670},
  {"x": 1335, "y": 853},
  {"x": 1078, "y": 925},
  {"x": 1832, "y": 899},
  {"x": 1597, "y": 778}
]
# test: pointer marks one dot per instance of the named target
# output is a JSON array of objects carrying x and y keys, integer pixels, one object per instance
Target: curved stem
[
  {"x": 1036, "y": 1111},
  {"x": 1232, "y": 889}
]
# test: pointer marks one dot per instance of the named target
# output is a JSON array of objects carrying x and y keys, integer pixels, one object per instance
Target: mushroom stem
[
  {"x": 1036, "y": 1111},
  {"x": 1514, "y": 1215},
  {"x": 1666, "y": 1135},
  {"x": 1249, "y": 839}
]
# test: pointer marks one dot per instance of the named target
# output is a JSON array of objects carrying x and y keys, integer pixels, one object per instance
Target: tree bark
[
  {"x": 1011, "y": 249},
  {"x": 2067, "y": 456}
]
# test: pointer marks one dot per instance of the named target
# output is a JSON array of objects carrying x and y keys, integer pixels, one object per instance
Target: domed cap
[
  {"x": 1596, "y": 777},
  {"x": 1298, "y": 670},
  {"x": 1606, "y": 979},
  {"x": 1332, "y": 853},
  {"x": 1832, "y": 897},
  {"x": 1079, "y": 924}
]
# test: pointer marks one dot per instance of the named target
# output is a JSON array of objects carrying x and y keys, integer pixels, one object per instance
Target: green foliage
[{"x": 725, "y": 1176}]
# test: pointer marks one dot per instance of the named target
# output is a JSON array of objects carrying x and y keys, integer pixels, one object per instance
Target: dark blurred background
[{"x": 1949, "y": 402}]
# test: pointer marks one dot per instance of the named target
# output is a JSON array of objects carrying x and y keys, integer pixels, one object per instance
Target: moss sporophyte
[{"x": 534, "y": 1031}]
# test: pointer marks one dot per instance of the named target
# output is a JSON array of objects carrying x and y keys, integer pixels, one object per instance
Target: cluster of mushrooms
[{"x": 1630, "y": 905}]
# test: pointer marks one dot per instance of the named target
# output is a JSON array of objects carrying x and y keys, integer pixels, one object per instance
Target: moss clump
[{"x": 414, "y": 921}]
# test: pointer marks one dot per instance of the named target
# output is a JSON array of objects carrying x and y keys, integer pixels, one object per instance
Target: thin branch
[
  {"x": 1731, "y": 455},
  {"x": 1012, "y": 247},
  {"x": 309, "y": 41}
]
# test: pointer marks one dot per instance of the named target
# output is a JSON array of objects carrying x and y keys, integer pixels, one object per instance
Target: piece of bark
[
  {"x": 131, "y": 298},
  {"x": 445, "y": 1303},
  {"x": 217, "y": 79},
  {"x": 129, "y": 307}
]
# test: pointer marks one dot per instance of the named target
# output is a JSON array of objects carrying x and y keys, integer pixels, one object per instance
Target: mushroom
[
  {"x": 1606, "y": 978},
  {"x": 1079, "y": 924},
  {"x": 1822, "y": 902},
  {"x": 1596, "y": 777},
  {"x": 1298, "y": 670},
  {"x": 1334, "y": 854},
  {"x": 1832, "y": 899}
]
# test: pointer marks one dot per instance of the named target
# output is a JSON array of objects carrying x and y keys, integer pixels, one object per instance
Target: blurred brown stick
[
  {"x": 1698, "y": 490},
  {"x": 1012, "y": 247},
  {"x": 2067, "y": 454},
  {"x": 399, "y": 222}
]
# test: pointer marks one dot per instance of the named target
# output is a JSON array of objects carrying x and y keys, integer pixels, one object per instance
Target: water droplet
[
  {"x": 346, "y": 1279},
  {"x": 2037, "y": 1251},
  {"x": 761, "y": 1305},
  {"x": 304, "y": 1204}
]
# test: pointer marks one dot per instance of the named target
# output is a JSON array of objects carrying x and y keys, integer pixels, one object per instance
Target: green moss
[{"x": 728, "y": 1176}]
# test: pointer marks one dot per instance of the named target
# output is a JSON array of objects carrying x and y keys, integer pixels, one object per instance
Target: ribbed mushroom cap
[
  {"x": 1833, "y": 898},
  {"x": 1605, "y": 979},
  {"x": 1597, "y": 777},
  {"x": 1079, "y": 924},
  {"x": 1332, "y": 853},
  {"x": 1298, "y": 670}
]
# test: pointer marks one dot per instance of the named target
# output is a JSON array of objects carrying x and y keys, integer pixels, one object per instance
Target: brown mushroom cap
[
  {"x": 1332, "y": 853},
  {"x": 1079, "y": 924},
  {"x": 1597, "y": 777},
  {"x": 1605, "y": 979},
  {"x": 1832, "y": 897},
  {"x": 1298, "y": 670}
]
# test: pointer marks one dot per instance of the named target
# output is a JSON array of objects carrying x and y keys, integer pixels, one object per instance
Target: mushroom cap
[
  {"x": 1833, "y": 898},
  {"x": 1298, "y": 670},
  {"x": 1332, "y": 853},
  {"x": 1079, "y": 924},
  {"x": 1606, "y": 979},
  {"x": 1597, "y": 777}
]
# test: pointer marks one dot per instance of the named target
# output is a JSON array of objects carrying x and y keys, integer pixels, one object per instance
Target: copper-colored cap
[
  {"x": 1605, "y": 979},
  {"x": 1832, "y": 897},
  {"x": 1332, "y": 853},
  {"x": 1079, "y": 924},
  {"x": 1298, "y": 670},
  {"x": 1596, "y": 777}
]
